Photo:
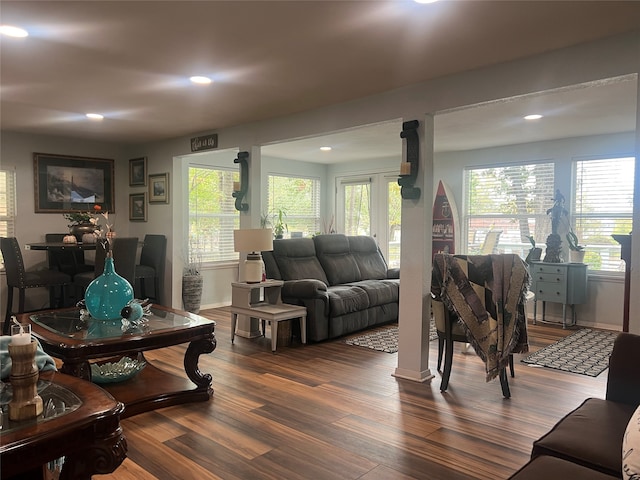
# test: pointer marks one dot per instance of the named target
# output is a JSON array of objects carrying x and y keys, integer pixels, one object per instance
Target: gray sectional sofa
[{"x": 343, "y": 281}]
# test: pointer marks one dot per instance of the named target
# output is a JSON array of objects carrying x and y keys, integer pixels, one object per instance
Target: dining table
[{"x": 60, "y": 246}]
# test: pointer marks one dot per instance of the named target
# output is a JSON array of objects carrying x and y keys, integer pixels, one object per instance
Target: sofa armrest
[
  {"x": 393, "y": 273},
  {"x": 308, "y": 288},
  {"x": 623, "y": 382}
]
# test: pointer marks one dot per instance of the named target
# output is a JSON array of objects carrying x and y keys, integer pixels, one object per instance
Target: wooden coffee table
[
  {"x": 65, "y": 336},
  {"x": 81, "y": 423}
]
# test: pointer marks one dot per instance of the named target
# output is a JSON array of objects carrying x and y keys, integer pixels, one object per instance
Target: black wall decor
[
  {"x": 410, "y": 134},
  {"x": 244, "y": 181}
]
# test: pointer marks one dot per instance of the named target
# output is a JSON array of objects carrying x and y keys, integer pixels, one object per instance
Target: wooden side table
[{"x": 263, "y": 301}]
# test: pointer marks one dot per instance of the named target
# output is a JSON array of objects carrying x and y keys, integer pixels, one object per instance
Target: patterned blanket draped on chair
[{"x": 487, "y": 293}]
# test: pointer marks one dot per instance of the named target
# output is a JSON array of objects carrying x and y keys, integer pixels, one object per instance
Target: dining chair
[
  {"x": 124, "y": 260},
  {"x": 19, "y": 278},
  {"x": 480, "y": 299},
  {"x": 70, "y": 262},
  {"x": 151, "y": 267}
]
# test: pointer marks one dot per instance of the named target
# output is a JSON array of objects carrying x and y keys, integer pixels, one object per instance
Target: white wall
[{"x": 16, "y": 153}]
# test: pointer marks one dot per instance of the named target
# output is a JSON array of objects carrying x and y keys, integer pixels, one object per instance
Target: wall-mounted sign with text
[{"x": 205, "y": 142}]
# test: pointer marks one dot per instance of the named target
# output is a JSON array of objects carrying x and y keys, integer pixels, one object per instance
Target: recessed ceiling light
[
  {"x": 10, "y": 31},
  {"x": 95, "y": 116},
  {"x": 325, "y": 149},
  {"x": 425, "y": 1},
  {"x": 533, "y": 117},
  {"x": 200, "y": 80}
]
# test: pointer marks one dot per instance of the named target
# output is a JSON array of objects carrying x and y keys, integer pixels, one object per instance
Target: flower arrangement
[
  {"x": 78, "y": 218},
  {"x": 106, "y": 239}
]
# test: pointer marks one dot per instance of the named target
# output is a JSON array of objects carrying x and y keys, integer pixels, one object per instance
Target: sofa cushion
[
  {"x": 590, "y": 435},
  {"x": 379, "y": 292},
  {"x": 345, "y": 299},
  {"x": 631, "y": 448},
  {"x": 336, "y": 259},
  {"x": 296, "y": 259},
  {"x": 551, "y": 468},
  {"x": 368, "y": 258}
]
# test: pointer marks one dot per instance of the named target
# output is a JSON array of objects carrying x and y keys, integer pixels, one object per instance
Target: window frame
[
  {"x": 539, "y": 218},
  {"x": 8, "y": 203},
  {"x": 193, "y": 254},
  {"x": 575, "y": 217},
  {"x": 272, "y": 208}
]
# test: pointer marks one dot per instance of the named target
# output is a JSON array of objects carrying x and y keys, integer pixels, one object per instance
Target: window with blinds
[
  {"x": 602, "y": 206},
  {"x": 357, "y": 206},
  {"x": 510, "y": 201},
  {"x": 7, "y": 205},
  {"x": 299, "y": 199},
  {"x": 212, "y": 214}
]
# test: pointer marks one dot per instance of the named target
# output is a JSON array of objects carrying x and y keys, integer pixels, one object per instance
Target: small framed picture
[
  {"x": 138, "y": 172},
  {"x": 159, "y": 188},
  {"x": 138, "y": 207}
]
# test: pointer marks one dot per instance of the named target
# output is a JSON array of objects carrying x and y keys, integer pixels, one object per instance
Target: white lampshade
[{"x": 253, "y": 240}]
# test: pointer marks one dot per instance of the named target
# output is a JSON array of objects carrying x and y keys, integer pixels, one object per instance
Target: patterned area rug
[
  {"x": 384, "y": 339},
  {"x": 585, "y": 352}
]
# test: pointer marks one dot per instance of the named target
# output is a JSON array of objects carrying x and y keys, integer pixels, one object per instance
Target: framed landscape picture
[
  {"x": 138, "y": 172},
  {"x": 67, "y": 184},
  {"x": 159, "y": 188},
  {"x": 138, "y": 207}
]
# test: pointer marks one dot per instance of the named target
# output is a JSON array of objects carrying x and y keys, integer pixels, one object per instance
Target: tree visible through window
[
  {"x": 511, "y": 200},
  {"x": 212, "y": 214},
  {"x": 299, "y": 200},
  {"x": 602, "y": 206}
]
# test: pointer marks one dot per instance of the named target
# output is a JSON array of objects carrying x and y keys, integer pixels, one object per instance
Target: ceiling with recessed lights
[{"x": 131, "y": 61}]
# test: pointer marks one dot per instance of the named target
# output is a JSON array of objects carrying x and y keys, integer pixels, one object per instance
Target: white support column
[
  {"x": 634, "y": 305},
  {"x": 415, "y": 267},
  {"x": 249, "y": 327}
]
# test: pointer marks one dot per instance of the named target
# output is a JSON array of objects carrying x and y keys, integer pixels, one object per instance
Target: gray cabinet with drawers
[{"x": 564, "y": 283}]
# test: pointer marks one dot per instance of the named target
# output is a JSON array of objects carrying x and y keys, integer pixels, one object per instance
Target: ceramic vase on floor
[
  {"x": 191, "y": 292},
  {"x": 108, "y": 294}
]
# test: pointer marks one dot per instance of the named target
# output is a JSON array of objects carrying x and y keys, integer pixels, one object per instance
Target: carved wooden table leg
[{"x": 191, "y": 356}]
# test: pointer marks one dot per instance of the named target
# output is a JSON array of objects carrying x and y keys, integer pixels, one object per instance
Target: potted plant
[
  {"x": 82, "y": 222},
  {"x": 279, "y": 225},
  {"x": 576, "y": 251}
]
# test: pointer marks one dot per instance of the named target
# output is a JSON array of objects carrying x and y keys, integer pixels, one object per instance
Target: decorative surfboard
[{"x": 445, "y": 215}]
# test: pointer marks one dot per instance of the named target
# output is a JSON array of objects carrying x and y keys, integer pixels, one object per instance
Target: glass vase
[{"x": 108, "y": 294}]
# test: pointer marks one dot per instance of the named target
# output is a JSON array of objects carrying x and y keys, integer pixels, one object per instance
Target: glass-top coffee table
[{"x": 75, "y": 341}]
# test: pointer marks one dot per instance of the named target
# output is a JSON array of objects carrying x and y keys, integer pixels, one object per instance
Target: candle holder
[{"x": 25, "y": 403}]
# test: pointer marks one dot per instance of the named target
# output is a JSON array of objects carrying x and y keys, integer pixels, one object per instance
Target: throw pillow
[{"x": 631, "y": 448}]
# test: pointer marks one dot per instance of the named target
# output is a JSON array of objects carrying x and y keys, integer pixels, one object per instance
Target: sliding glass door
[{"x": 371, "y": 206}]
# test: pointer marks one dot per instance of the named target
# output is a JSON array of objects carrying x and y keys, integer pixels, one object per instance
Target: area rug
[
  {"x": 585, "y": 352},
  {"x": 384, "y": 339}
]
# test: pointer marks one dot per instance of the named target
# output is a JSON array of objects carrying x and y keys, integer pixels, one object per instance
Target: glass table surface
[
  {"x": 57, "y": 401},
  {"x": 69, "y": 323}
]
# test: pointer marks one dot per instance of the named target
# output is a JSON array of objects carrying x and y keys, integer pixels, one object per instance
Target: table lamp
[{"x": 254, "y": 240}]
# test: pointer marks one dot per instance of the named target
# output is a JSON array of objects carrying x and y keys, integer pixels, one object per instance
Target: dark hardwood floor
[{"x": 334, "y": 411}]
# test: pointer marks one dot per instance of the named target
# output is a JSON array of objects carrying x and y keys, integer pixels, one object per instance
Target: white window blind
[
  {"x": 511, "y": 200},
  {"x": 602, "y": 206},
  {"x": 212, "y": 214},
  {"x": 7, "y": 205},
  {"x": 299, "y": 199}
]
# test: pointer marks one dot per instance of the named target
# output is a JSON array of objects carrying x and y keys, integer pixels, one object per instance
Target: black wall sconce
[
  {"x": 240, "y": 193},
  {"x": 409, "y": 169}
]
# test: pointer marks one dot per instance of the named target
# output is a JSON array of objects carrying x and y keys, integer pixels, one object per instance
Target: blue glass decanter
[{"x": 108, "y": 294}]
